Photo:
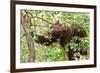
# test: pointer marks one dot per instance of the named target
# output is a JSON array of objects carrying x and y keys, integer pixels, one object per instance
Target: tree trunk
[{"x": 30, "y": 42}]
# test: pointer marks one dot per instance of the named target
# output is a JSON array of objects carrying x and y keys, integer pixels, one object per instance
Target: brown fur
[{"x": 64, "y": 34}]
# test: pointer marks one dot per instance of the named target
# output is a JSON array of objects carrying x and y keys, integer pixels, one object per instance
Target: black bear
[{"x": 62, "y": 34}]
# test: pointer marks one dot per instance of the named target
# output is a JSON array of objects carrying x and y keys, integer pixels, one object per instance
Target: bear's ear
[{"x": 57, "y": 22}]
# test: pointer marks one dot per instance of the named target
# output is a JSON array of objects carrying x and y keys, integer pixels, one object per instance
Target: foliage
[
  {"x": 53, "y": 53},
  {"x": 42, "y": 21},
  {"x": 24, "y": 50}
]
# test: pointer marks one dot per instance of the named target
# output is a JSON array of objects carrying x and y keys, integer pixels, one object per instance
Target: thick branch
[{"x": 37, "y": 17}]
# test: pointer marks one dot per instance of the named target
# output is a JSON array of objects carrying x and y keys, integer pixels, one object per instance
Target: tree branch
[{"x": 37, "y": 17}]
